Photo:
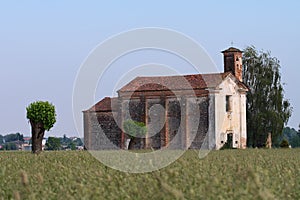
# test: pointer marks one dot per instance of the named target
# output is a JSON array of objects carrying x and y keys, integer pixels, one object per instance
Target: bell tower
[{"x": 233, "y": 62}]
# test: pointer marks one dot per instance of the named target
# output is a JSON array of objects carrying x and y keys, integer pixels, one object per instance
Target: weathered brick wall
[
  {"x": 102, "y": 132},
  {"x": 86, "y": 130},
  {"x": 196, "y": 125},
  {"x": 156, "y": 122},
  {"x": 137, "y": 110},
  {"x": 110, "y": 127},
  {"x": 175, "y": 133}
]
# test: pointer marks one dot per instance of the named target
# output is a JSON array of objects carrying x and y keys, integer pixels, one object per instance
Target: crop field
[{"x": 227, "y": 174}]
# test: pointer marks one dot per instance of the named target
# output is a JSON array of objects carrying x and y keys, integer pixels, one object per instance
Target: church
[{"x": 198, "y": 111}]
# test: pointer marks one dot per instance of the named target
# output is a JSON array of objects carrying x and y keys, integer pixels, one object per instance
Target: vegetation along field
[{"x": 227, "y": 174}]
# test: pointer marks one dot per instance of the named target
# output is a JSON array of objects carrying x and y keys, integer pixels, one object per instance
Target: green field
[{"x": 228, "y": 174}]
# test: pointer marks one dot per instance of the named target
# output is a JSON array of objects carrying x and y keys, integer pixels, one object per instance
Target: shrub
[{"x": 284, "y": 144}]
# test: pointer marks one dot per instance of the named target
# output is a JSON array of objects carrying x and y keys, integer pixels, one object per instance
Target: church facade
[{"x": 199, "y": 111}]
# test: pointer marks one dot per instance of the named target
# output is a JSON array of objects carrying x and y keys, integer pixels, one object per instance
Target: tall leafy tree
[
  {"x": 42, "y": 117},
  {"x": 267, "y": 109}
]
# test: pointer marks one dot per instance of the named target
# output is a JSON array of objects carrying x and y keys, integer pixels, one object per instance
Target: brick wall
[
  {"x": 101, "y": 131},
  {"x": 196, "y": 125},
  {"x": 156, "y": 123},
  {"x": 181, "y": 124}
]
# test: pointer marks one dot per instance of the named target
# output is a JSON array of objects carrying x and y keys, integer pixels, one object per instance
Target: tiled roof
[
  {"x": 105, "y": 105},
  {"x": 164, "y": 83},
  {"x": 184, "y": 82},
  {"x": 232, "y": 49}
]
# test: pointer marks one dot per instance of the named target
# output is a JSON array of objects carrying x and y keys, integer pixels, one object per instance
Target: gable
[{"x": 231, "y": 85}]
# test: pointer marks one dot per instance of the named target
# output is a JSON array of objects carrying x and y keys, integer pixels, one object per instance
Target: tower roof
[{"x": 232, "y": 49}]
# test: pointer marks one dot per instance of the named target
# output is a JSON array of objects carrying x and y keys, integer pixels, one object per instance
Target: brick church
[{"x": 180, "y": 112}]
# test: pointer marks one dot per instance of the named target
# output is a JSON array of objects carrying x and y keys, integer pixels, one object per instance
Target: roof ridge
[{"x": 214, "y": 73}]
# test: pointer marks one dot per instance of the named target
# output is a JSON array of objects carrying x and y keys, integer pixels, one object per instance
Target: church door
[{"x": 229, "y": 140}]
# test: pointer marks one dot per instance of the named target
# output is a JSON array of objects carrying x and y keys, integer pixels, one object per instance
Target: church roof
[
  {"x": 107, "y": 104},
  {"x": 165, "y": 83},
  {"x": 184, "y": 82}
]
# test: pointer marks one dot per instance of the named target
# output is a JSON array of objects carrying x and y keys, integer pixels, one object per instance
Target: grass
[{"x": 228, "y": 174}]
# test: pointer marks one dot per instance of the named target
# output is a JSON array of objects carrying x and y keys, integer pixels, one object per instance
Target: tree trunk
[
  {"x": 37, "y": 131},
  {"x": 135, "y": 143},
  {"x": 132, "y": 143}
]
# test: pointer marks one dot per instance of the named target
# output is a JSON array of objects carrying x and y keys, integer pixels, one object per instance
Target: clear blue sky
[{"x": 43, "y": 44}]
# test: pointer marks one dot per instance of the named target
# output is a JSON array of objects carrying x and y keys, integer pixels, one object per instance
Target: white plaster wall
[
  {"x": 230, "y": 122},
  {"x": 243, "y": 122}
]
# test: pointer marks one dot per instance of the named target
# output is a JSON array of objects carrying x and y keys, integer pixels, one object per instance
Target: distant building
[
  {"x": 220, "y": 98},
  {"x": 26, "y": 145},
  {"x": 27, "y": 140}
]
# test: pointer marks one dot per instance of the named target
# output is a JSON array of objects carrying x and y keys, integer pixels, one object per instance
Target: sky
[{"x": 44, "y": 43}]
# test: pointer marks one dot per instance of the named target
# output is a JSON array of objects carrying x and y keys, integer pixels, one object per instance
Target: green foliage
[
  {"x": 72, "y": 146},
  {"x": 9, "y": 146},
  {"x": 70, "y": 143},
  {"x": 65, "y": 140},
  {"x": 1, "y": 139},
  {"x": 13, "y": 137},
  {"x": 291, "y": 135},
  {"x": 134, "y": 129},
  {"x": 78, "y": 142},
  {"x": 228, "y": 174},
  {"x": 284, "y": 143},
  {"x": 267, "y": 110},
  {"x": 42, "y": 112},
  {"x": 53, "y": 143}
]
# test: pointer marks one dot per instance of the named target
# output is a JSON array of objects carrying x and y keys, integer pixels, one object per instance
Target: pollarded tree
[
  {"x": 42, "y": 117},
  {"x": 136, "y": 131},
  {"x": 267, "y": 109}
]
